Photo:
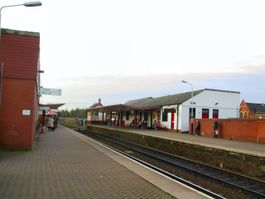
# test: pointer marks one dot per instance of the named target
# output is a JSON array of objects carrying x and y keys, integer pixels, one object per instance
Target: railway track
[{"x": 252, "y": 187}]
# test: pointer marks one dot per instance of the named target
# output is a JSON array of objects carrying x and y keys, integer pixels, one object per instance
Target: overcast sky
[{"x": 119, "y": 50}]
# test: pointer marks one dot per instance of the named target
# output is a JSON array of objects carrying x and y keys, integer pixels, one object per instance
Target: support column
[{"x": 102, "y": 118}]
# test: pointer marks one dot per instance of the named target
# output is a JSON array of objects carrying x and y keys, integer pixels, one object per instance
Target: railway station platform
[
  {"x": 238, "y": 156},
  {"x": 66, "y": 164},
  {"x": 249, "y": 148}
]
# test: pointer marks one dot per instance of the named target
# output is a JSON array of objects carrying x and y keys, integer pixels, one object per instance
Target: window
[
  {"x": 205, "y": 113},
  {"x": 192, "y": 112},
  {"x": 164, "y": 117},
  {"x": 215, "y": 113},
  {"x": 241, "y": 114},
  {"x": 127, "y": 115},
  {"x": 245, "y": 115},
  {"x": 145, "y": 116}
]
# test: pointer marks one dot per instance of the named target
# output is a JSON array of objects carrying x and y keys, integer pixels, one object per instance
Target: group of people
[
  {"x": 138, "y": 123},
  {"x": 156, "y": 125},
  {"x": 143, "y": 124},
  {"x": 47, "y": 121}
]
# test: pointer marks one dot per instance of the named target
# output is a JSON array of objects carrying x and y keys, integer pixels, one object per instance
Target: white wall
[
  {"x": 209, "y": 98},
  {"x": 168, "y": 122},
  {"x": 92, "y": 117},
  {"x": 226, "y": 102}
]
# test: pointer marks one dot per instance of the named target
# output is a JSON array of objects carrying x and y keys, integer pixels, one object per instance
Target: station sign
[
  {"x": 50, "y": 91},
  {"x": 43, "y": 108}
]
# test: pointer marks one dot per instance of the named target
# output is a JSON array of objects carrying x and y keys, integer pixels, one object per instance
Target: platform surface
[
  {"x": 249, "y": 148},
  {"x": 66, "y": 164}
]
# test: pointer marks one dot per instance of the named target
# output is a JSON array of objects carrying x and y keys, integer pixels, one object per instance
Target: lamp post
[
  {"x": 26, "y": 4},
  {"x": 185, "y": 82}
]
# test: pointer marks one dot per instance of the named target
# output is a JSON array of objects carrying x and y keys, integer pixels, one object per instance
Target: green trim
[{"x": 20, "y": 32}]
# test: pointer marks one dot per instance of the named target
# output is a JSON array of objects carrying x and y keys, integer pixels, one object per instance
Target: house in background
[
  {"x": 252, "y": 110},
  {"x": 174, "y": 111},
  {"x": 20, "y": 80},
  {"x": 95, "y": 115}
]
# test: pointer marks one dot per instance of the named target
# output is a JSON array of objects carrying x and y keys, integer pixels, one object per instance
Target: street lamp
[
  {"x": 26, "y": 4},
  {"x": 192, "y": 109},
  {"x": 185, "y": 82}
]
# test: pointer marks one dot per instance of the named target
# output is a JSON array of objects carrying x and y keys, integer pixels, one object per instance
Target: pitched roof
[
  {"x": 162, "y": 101},
  {"x": 256, "y": 108},
  {"x": 95, "y": 105},
  {"x": 151, "y": 103}
]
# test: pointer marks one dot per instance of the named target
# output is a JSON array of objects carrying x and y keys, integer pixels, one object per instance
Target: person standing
[
  {"x": 216, "y": 128},
  {"x": 50, "y": 122},
  {"x": 42, "y": 122},
  {"x": 198, "y": 127}
]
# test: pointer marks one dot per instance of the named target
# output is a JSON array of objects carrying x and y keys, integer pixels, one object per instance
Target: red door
[
  {"x": 215, "y": 113},
  {"x": 172, "y": 120},
  {"x": 205, "y": 113}
]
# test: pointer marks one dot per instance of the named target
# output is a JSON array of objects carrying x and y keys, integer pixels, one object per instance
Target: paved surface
[
  {"x": 64, "y": 165},
  {"x": 229, "y": 145}
]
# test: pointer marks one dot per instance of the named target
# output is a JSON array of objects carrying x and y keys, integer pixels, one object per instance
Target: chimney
[{"x": 99, "y": 100}]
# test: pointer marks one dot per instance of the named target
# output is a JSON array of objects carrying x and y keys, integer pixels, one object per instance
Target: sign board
[
  {"x": 26, "y": 112},
  {"x": 50, "y": 91},
  {"x": 41, "y": 108}
]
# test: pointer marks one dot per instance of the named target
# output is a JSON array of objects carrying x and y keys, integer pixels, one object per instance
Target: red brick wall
[
  {"x": 236, "y": 129},
  {"x": 19, "y": 52},
  {"x": 17, "y": 130}
]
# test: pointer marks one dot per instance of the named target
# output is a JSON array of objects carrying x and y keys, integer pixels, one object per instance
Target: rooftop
[
  {"x": 150, "y": 103},
  {"x": 256, "y": 108},
  {"x": 19, "y": 32}
]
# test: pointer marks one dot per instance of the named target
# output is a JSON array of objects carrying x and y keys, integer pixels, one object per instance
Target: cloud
[
  {"x": 113, "y": 89},
  {"x": 253, "y": 69}
]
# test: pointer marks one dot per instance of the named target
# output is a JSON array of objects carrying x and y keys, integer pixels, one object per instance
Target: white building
[
  {"x": 206, "y": 104},
  {"x": 175, "y": 111}
]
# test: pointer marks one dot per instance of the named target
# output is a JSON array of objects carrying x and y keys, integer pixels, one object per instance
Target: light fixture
[
  {"x": 26, "y": 4},
  {"x": 185, "y": 82}
]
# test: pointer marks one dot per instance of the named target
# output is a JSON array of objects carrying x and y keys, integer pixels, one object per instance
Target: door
[
  {"x": 205, "y": 113},
  {"x": 172, "y": 120},
  {"x": 215, "y": 114}
]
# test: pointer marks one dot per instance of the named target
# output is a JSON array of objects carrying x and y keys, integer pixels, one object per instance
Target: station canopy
[
  {"x": 122, "y": 107},
  {"x": 51, "y": 106}
]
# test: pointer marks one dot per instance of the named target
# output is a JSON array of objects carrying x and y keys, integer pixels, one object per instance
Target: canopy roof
[
  {"x": 52, "y": 106},
  {"x": 122, "y": 107},
  {"x": 151, "y": 103}
]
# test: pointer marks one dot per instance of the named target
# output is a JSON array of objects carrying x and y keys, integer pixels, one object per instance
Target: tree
[{"x": 76, "y": 113}]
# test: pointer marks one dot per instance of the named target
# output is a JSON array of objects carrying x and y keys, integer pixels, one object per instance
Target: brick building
[
  {"x": 19, "y": 64},
  {"x": 252, "y": 110}
]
